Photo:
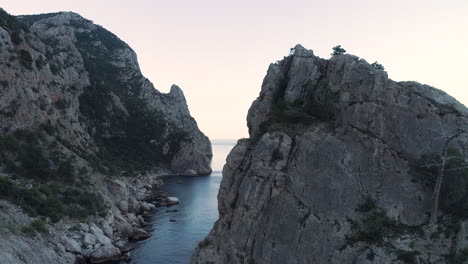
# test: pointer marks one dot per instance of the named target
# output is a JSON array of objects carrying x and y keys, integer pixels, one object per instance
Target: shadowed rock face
[
  {"x": 80, "y": 131},
  {"x": 84, "y": 84},
  {"x": 329, "y": 173}
]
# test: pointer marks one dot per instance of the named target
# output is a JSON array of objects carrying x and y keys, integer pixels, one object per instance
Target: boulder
[
  {"x": 89, "y": 240},
  {"x": 126, "y": 257},
  {"x": 133, "y": 205},
  {"x": 132, "y": 218},
  {"x": 106, "y": 228},
  {"x": 142, "y": 195},
  {"x": 123, "y": 227},
  {"x": 123, "y": 206},
  {"x": 100, "y": 237},
  {"x": 190, "y": 172},
  {"x": 71, "y": 245},
  {"x": 110, "y": 218},
  {"x": 86, "y": 252},
  {"x": 80, "y": 259},
  {"x": 172, "y": 200},
  {"x": 140, "y": 234},
  {"x": 103, "y": 239},
  {"x": 140, "y": 220},
  {"x": 124, "y": 246},
  {"x": 105, "y": 254},
  {"x": 84, "y": 227},
  {"x": 147, "y": 206}
]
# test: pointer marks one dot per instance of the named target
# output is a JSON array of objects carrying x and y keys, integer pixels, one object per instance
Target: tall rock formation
[
  {"x": 81, "y": 131},
  {"x": 83, "y": 84},
  {"x": 334, "y": 170}
]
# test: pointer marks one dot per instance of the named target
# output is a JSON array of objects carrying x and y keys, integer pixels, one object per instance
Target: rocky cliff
[
  {"x": 81, "y": 84},
  {"x": 82, "y": 135},
  {"x": 337, "y": 170}
]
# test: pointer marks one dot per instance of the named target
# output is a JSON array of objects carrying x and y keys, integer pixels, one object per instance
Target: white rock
[
  {"x": 190, "y": 172},
  {"x": 140, "y": 220},
  {"x": 172, "y": 200},
  {"x": 104, "y": 254},
  {"x": 95, "y": 229},
  {"x": 84, "y": 227},
  {"x": 123, "y": 206},
  {"x": 101, "y": 238},
  {"x": 71, "y": 245},
  {"x": 132, "y": 218},
  {"x": 140, "y": 234},
  {"x": 107, "y": 228},
  {"x": 89, "y": 240},
  {"x": 147, "y": 206},
  {"x": 133, "y": 205}
]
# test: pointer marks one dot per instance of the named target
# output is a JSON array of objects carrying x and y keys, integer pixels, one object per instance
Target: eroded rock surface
[
  {"x": 331, "y": 172},
  {"x": 83, "y": 138}
]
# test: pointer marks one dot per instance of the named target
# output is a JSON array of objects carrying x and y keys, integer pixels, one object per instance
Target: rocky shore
[
  {"x": 97, "y": 239},
  {"x": 80, "y": 126}
]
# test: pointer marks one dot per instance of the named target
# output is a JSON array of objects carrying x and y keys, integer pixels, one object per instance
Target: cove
[{"x": 174, "y": 242}]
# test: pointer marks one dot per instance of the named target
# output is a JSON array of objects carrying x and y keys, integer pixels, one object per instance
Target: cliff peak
[{"x": 336, "y": 170}]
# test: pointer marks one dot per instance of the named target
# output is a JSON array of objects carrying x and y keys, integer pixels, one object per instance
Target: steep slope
[
  {"x": 333, "y": 171},
  {"x": 81, "y": 132},
  {"x": 84, "y": 85}
]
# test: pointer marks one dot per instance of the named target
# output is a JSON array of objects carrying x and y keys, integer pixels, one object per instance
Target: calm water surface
[{"x": 173, "y": 242}]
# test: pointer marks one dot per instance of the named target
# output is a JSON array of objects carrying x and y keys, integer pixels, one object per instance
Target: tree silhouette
[
  {"x": 338, "y": 50},
  {"x": 441, "y": 162}
]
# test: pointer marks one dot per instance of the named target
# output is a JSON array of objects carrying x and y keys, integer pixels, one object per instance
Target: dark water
[{"x": 173, "y": 242}]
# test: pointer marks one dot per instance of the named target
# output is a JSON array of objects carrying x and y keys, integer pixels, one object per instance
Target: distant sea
[{"x": 174, "y": 242}]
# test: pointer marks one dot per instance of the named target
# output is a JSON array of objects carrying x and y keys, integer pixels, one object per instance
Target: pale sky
[{"x": 218, "y": 51}]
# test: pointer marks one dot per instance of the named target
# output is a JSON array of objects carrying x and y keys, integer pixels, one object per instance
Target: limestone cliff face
[
  {"x": 81, "y": 82},
  {"x": 332, "y": 170},
  {"x": 81, "y": 131}
]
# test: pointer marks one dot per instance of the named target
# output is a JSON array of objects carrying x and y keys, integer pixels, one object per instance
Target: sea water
[{"x": 174, "y": 242}]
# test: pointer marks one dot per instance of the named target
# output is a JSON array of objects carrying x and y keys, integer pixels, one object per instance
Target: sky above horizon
[{"x": 218, "y": 52}]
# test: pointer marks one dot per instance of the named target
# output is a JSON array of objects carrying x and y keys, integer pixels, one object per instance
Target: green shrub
[
  {"x": 408, "y": 257},
  {"x": 16, "y": 38},
  {"x": 204, "y": 243},
  {"x": 54, "y": 68},
  {"x": 4, "y": 83},
  {"x": 39, "y": 225},
  {"x": 39, "y": 63},
  {"x": 66, "y": 170},
  {"x": 48, "y": 128},
  {"x": 375, "y": 226},
  {"x": 338, "y": 50},
  {"x": 462, "y": 257},
  {"x": 61, "y": 104},
  {"x": 28, "y": 230},
  {"x": 51, "y": 200},
  {"x": 368, "y": 205},
  {"x": 25, "y": 59},
  {"x": 320, "y": 101},
  {"x": 34, "y": 164},
  {"x": 9, "y": 143},
  {"x": 13, "y": 26},
  {"x": 12, "y": 228},
  {"x": 378, "y": 66},
  {"x": 132, "y": 131},
  {"x": 6, "y": 186}
]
